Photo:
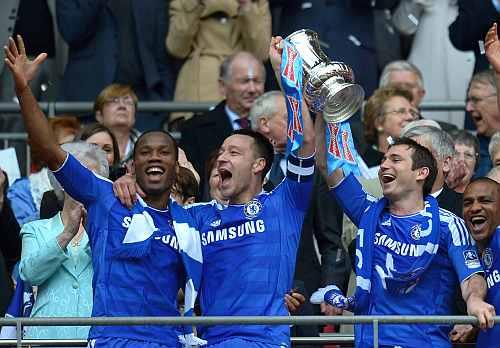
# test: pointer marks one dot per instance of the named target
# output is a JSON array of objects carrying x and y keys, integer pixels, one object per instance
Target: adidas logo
[
  {"x": 386, "y": 222},
  {"x": 215, "y": 223}
]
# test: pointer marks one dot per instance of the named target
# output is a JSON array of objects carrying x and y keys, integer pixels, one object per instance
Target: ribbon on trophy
[
  {"x": 291, "y": 81},
  {"x": 340, "y": 152}
]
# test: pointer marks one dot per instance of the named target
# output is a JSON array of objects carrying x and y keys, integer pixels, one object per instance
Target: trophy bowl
[{"x": 328, "y": 85}]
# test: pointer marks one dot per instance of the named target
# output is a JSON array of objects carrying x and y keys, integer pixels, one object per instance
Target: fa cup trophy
[{"x": 328, "y": 86}]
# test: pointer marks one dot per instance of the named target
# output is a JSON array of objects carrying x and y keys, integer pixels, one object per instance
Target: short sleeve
[{"x": 462, "y": 252}]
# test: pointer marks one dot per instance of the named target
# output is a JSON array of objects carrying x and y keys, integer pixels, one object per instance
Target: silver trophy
[{"x": 328, "y": 86}]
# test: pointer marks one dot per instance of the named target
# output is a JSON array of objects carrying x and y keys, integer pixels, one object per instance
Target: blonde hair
[
  {"x": 111, "y": 91},
  {"x": 375, "y": 108}
]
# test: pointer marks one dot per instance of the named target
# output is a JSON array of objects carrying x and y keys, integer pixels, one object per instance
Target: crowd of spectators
[{"x": 119, "y": 53}]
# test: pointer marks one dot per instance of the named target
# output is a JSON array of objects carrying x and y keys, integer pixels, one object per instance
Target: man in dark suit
[
  {"x": 116, "y": 41},
  {"x": 241, "y": 81},
  {"x": 471, "y": 25},
  {"x": 321, "y": 259},
  {"x": 345, "y": 29}
]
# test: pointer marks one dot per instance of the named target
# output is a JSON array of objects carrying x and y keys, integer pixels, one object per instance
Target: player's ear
[
  {"x": 423, "y": 173},
  {"x": 258, "y": 165},
  {"x": 263, "y": 123}
]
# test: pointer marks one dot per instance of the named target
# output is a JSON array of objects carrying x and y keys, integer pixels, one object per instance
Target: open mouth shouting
[
  {"x": 225, "y": 176},
  {"x": 387, "y": 178},
  {"x": 477, "y": 223}
]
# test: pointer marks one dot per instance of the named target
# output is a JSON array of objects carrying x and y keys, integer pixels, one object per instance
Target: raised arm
[
  {"x": 23, "y": 71},
  {"x": 308, "y": 143},
  {"x": 473, "y": 292},
  {"x": 492, "y": 46},
  {"x": 337, "y": 175}
]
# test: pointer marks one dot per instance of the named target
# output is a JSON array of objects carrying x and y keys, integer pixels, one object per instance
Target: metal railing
[
  {"x": 54, "y": 108},
  {"x": 376, "y": 321}
]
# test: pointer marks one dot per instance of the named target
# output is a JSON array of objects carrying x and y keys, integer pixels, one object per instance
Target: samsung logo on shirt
[
  {"x": 233, "y": 232},
  {"x": 493, "y": 278},
  {"x": 169, "y": 239},
  {"x": 400, "y": 248}
]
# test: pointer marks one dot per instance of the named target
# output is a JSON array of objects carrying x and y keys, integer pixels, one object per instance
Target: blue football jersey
[
  {"x": 125, "y": 285},
  {"x": 491, "y": 265},
  {"x": 249, "y": 254},
  {"x": 398, "y": 241}
]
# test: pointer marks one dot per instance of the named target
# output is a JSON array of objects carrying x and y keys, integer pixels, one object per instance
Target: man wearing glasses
[{"x": 483, "y": 107}]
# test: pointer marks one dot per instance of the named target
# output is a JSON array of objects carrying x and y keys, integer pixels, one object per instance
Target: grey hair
[
  {"x": 486, "y": 77},
  {"x": 419, "y": 123},
  {"x": 225, "y": 67},
  {"x": 265, "y": 105},
  {"x": 463, "y": 137},
  {"x": 87, "y": 154},
  {"x": 441, "y": 142},
  {"x": 494, "y": 174},
  {"x": 494, "y": 145},
  {"x": 400, "y": 65}
]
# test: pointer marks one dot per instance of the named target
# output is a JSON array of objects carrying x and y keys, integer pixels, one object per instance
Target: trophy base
[
  {"x": 342, "y": 102},
  {"x": 330, "y": 88}
]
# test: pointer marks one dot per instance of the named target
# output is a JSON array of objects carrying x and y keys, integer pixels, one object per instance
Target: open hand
[
  {"x": 492, "y": 47},
  {"x": 23, "y": 69}
]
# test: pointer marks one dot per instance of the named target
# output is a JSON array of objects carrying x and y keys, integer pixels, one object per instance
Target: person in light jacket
[
  {"x": 205, "y": 32},
  {"x": 56, "y": 258}
]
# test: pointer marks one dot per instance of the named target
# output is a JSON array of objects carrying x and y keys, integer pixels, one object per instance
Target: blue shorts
[
  {"x": 239, "y": 342},
  {"x": 111, "y": 342}
]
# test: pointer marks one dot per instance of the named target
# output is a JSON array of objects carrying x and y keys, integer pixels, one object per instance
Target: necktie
[
  {"x": 243, "y": 122},
  {"x": 276, "y": 174}
]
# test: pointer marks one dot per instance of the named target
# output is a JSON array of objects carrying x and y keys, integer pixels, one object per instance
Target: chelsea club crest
[
  {"x": 252, "y": 209},
  {"x": 487, "y": 258},
  {"x": 415, "y": 232}
]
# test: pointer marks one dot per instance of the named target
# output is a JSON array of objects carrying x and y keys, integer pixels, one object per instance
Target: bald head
[
  {"x": 242, "y": 57},
  {"x": 241, "y": 81}
]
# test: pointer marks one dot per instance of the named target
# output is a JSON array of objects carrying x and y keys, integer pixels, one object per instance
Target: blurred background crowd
[{"x": 404, "y": 53}]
